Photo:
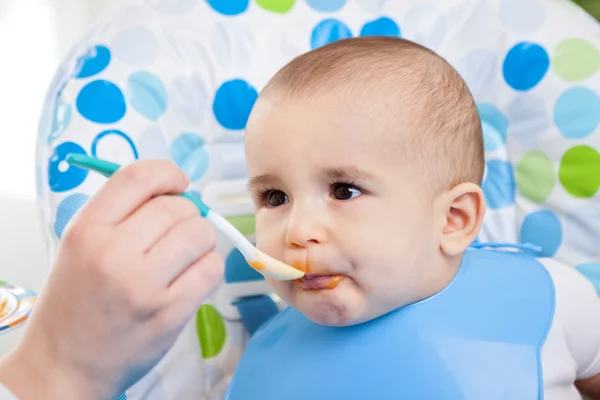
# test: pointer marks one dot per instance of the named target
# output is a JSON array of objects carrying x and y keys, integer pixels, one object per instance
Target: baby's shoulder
[
  {"x": 570, "y": 285},
  {"x": 576, "y": 324}
]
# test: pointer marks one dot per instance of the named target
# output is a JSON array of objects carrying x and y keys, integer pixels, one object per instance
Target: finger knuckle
[
  {"x": 214, "y": 266},
  {"x": 191, "y": 237},
  {"x": 166, "y": 206},
  {"x": 164, "y": 322},
  {"x": 172, "y": 168},
  {"x": 184, "y": 207},
  {"x": 197, "y": 235},
  {"x": 169, "y": 170},
  {"x": 141, "y": 303},
  {"x": 188, "y": 207},
  {"x": 155, "y": 172},
  {"x": 102, "y": 263},
  {"x": 172, "y": 210},
  {"x": 136, "y": 174},
  {"x": 74, "y": 235},
  {"x": 80, "y": 242},
  {"x": 205, "y": 233}
]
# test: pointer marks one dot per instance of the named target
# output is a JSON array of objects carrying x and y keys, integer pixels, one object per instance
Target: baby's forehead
[
  {"x": 326, "y": 132},
  {"x": 381, "y": 92}
]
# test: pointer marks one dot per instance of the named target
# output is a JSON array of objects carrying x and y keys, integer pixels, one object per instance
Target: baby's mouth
[{"x": 319, "y": 282}]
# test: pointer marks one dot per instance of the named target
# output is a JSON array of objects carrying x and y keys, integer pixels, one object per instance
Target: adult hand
[{"x": 134, "y": 265}]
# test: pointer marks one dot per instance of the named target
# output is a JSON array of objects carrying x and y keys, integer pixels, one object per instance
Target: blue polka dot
[
  {"x": 543, "y": 229},
  {"x": 61, "y": 176},
  {"x": 499, "y": 184},
  {"x": 492, "y": 139},
  {"x": 229, "y": 7},
  {"x": 326, "y": 5},
  {"x": 525, "y": 65},
  {"x": 66, "y": 209},
  {"x": 60, "y": 121},
  {"x": 101, "y": 102},
  {"x": 592, "y": 272},
  {"x": 113, "y": 132},
  {"x": 93, "y": 62},
  {"x": 238, "y": 270},
  {"x": 327, "y": 31},
  {"x": 147, "y": 95},
  {"x": 233, "y": 102},
  {"x": 577, "y": 112},
  {"x": 189, "y": 153},
  {"x": 494, "y": 124},
  {"x": 380, "y": 27}
]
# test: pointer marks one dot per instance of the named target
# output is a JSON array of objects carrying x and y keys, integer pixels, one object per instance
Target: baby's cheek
[
  {"x": 268, "y": 236},
  {"x": 383, "y": 281}
]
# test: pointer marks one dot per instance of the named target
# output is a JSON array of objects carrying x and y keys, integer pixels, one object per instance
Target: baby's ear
[{"x": 464, "y": 209}]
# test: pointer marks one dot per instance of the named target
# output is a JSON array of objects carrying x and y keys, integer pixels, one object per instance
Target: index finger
[{"x": 132, "y": 186}]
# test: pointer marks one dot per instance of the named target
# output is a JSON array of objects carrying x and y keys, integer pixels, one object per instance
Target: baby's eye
[
  {"x": 344, "y": 191},
  {"x": 275, "y": 198}
]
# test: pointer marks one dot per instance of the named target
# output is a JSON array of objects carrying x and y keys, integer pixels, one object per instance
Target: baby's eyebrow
[
  {"x": 257, "y": 182},
  {"x": 350, "y": 172}
]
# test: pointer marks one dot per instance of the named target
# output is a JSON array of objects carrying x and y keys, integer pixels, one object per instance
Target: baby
[{"x": 365, "y": 159}]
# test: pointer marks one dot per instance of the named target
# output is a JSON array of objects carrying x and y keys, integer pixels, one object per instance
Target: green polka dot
[
  {"x": 579, "y": 171},
  {"x": 210, "y": 329},
  {"x": 244, "y": 223},
  {"x": 575, "y": 60},
  {"x": 278, "y": 6},
  {"x": 2, "y": 283},
  {"x": 535, "y": 176}
]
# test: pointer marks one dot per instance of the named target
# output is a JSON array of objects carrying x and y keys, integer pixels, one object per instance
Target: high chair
[{"x": 177, "y": 80}]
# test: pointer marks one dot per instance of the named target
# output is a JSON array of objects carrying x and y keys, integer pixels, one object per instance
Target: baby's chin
[
  {"x": 342, "y": 306},
  {"x": 329, "y": 315}
]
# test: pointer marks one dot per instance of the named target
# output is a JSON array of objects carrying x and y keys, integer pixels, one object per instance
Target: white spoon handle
[
  {"x": 261, "y": 262},
  {"x": 237, "y": 238}
]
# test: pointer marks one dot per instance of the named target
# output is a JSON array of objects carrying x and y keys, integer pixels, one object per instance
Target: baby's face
[{"x": 335, "y": 198}]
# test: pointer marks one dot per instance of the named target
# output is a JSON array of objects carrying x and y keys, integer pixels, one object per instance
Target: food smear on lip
[
  {"x": 319, "y": 282},
  {"x": 301, "y": 265}
]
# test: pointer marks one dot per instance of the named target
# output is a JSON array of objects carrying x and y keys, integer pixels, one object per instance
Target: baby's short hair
[{"x": 446, "y": 139}]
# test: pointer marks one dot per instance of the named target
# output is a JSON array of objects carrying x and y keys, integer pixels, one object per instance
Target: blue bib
[{"x": 478, "y": 339}]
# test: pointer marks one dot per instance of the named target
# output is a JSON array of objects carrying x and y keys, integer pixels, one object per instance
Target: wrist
[{"x": 34, "y": 375}]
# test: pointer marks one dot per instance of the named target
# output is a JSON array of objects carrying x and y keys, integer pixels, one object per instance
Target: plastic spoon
[{"x": 266, "y": 265}]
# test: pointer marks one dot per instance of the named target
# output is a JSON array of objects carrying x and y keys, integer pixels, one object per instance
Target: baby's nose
[{"x": 305, "y": 229}]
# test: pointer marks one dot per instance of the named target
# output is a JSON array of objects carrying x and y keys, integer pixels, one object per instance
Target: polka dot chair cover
[{"x": 176, "y": 79}]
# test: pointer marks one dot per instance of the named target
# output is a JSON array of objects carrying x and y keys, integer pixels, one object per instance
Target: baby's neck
[{"x": 443, "y": 274}]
